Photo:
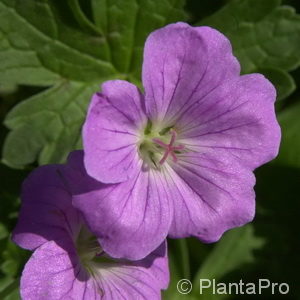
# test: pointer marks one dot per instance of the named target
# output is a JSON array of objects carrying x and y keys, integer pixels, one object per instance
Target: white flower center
[{"x": 157, "y": 147}]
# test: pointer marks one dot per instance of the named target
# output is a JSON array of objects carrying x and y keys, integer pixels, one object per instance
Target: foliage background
[{"x": 53, "y": 56}]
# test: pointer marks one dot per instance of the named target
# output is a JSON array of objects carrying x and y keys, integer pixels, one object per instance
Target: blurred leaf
[
  {"x": 13, "y": 259},
  {"x": 46, "y": 43},
  {"x": 9, "y": 192},
  {"x": 289, "y": 153},
  {"x": 234, "y": 250},
  {"x": 284, "y": 82},
  {"x": 277, "y": 220},
  {"x": 264, "y": 35},
  {"x": 9, "y": 289},
  {"x": 198, "y": 10},
  {"x": 14, "y": 294},
  {"x": 8, "y": 88},
  {"x": 4, "y": 283},
  {"x": 3, "y": 232}
]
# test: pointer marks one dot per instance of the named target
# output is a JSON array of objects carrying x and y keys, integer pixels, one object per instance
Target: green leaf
[
  {"x": 47, "y": 125},
  {"x": 47, "y": 43},
  {"x": 13, "y": 259},
  {"x": 37, "y": 43},
  {"x": 126, "y": 35},
  {"x": 3, "y": 231},
  {"x": 5, "y": 282},
  {"x": 234, "y": 250},
  {"x": 81, "y": 17},
  {"x": 264, "y": 36},
  {"x": 9, "y": 288},
  {"x": 289, "y": 151}
]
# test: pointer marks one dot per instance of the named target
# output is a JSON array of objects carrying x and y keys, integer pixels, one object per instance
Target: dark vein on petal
[
  {"x": 206, "y": 167},
  {"x": 138, "y": 109},
  {"x": 227, "y": 129},
  {"x": 61, "y": 271},
  {"x": 122, "y": 113},
  {"x": 191, "y": 95},
  {"x": 117, "y": 149},
  {"x": 122, "y": 160},
  {"x": 126, "y": 201},
  {"x": 183, "y": 201},
  {"x": 197, "y": 193},
  {"x": 145, "y": 208},
  {"x": 116, "y": 288},
  {"x": 116, "y": 272},
  {"x": 118, "y": 131},
  {"x": 207, "y": 180},
  {"x": 128, "y": 283},
  {"x": 177, "y": 82},
  {"x": 85, "y": 288},
  {"x": 229, "y": 110},
  {"x": 71, "y": 288},
  {"x": 199, "y": 101},
  {"x": 159, "y": 201}
]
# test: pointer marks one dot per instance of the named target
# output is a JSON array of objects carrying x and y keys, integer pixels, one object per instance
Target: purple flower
[
  {"x": 68, "y": 262},
  {"x": 179, "y": 160}
]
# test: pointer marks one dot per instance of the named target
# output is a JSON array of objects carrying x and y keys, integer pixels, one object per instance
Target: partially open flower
[
  {"x": 68, "y": 261},
  {"x": 181, "y": 157}
]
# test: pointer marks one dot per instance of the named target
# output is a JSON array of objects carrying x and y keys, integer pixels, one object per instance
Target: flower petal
[
  {"x": 54, "y": 272},
  {"x": 142, "y": 279},
  {"x": 237, "y": 118},
  {"x": 111, "y": 130},
  {"x": 211, "y": 195},
  {"x": 46, "y": 210},
  {"x": 181, "y": 65},
  {"x": 78, "y": 179},
  {"x": 131, "y": 219}
]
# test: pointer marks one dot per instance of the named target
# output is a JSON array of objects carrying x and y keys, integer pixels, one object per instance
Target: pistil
[{"x": 169, "y": 148}]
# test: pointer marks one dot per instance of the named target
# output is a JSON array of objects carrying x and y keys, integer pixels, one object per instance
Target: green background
[{"x": 55, "y": 54}]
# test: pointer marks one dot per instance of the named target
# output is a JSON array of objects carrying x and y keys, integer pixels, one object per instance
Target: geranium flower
[
  {"x": 180, "y": 158},
  {"x": 68, "y": 262}
]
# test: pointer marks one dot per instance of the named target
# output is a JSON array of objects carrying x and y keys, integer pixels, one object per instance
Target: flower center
[
  {"x": 170, "y": 149},
  {"x": 90, "y": 252},
  {"x": 157, "y": 146}
]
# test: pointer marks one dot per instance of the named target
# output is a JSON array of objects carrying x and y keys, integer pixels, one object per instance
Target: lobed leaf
[
  {"x": 265, "y": 36},
  {"x": 47, "y": 43}
]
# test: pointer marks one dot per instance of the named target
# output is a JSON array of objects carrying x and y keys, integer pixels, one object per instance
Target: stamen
[
  {"x": 169, "y": 148},
  {"x": 100, "y": 253}
]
